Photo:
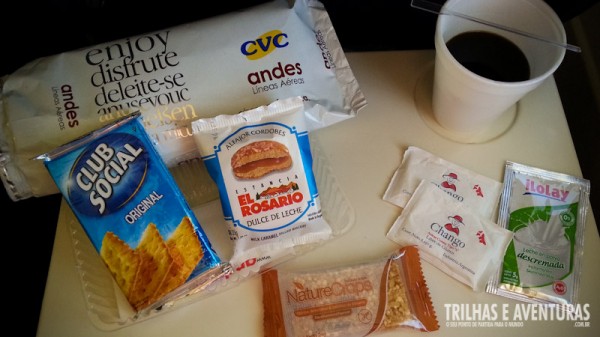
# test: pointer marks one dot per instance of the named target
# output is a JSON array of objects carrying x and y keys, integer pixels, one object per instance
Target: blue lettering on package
[
  {"x": 264, "y": 44},
  {"x": 108, "y": 174}
]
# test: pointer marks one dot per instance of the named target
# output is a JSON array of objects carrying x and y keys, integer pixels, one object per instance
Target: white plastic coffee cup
[{"x": 466, "y": 102}]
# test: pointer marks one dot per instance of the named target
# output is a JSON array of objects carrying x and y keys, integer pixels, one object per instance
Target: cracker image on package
[{"x": 133, "y": 213}]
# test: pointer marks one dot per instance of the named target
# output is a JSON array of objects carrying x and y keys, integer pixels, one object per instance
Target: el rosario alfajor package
[
  {"x": 261, "y": 161},
  {"x": 134, "y": 214}
]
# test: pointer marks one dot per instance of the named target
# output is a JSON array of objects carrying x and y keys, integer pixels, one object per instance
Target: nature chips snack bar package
[
  {"x": 134, "y": 214},
  {"x": 349, "y": 301},
  {"x": 225, "y": 64}
]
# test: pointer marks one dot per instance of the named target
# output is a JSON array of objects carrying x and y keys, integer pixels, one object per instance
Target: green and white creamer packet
[{"x": 546, "y": 210}]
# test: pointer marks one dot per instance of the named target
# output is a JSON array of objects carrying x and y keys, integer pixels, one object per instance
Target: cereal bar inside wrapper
[
  {"x": 134, "y": 214},
  {"x": 349, "y": 301}
]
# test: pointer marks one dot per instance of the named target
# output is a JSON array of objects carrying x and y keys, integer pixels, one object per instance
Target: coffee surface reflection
[{"x": 490, "y": 55}]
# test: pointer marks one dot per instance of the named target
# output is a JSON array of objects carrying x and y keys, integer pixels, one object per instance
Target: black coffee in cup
[{"x": 490, "y": 55}]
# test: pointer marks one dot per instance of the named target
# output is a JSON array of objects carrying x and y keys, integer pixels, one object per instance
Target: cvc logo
[{"x": 264, "y": 44}]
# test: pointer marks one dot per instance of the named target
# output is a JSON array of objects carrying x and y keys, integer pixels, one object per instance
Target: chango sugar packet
[
  {"x": 174, "y": 76},
  {"x": 479, "y": 192},
  {"x": 261, "y": 161},
  {"x": 451, "y": 236},
  {"x": 356, "y": 300},
  {"x": 546, "y": 210}
]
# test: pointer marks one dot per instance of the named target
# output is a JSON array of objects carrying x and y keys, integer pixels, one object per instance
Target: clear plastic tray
[{"x": 108, "y": 308}]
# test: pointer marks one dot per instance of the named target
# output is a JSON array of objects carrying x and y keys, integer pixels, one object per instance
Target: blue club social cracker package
[{"x": 134, "y": 213}]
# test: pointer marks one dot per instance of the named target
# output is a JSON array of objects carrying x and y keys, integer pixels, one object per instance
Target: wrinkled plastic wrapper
[
  {"x": 225, "y": 64},
  {"x": 354, "y": 300}
]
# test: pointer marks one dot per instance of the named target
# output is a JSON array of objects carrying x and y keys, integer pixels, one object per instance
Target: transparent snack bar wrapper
[
  {"x": 382, "y": 295},
  {"x": 546, "y": 211}
]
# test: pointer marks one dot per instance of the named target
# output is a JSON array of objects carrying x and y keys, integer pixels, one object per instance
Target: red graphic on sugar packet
[
  {"x": 449, "y": 183},
  {"x": 481, "y": 237},
  {"x": 455, "y": 223},
  {"x": 478, "y": 190}
]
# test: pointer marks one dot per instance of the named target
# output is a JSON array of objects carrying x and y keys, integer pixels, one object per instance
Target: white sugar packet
[
  {"x": 479, "y": 192},
  {"x": 451, "y": 236}
]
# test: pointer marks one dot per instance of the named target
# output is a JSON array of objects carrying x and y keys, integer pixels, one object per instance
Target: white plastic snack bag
[
  {"x": 225, "y": 64},
  {"x": 262, "y": 163},
  {"x": 479, "y": 192},
  {"x": 451, "y": 236},
  {"x": 546, "y": 210}
]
